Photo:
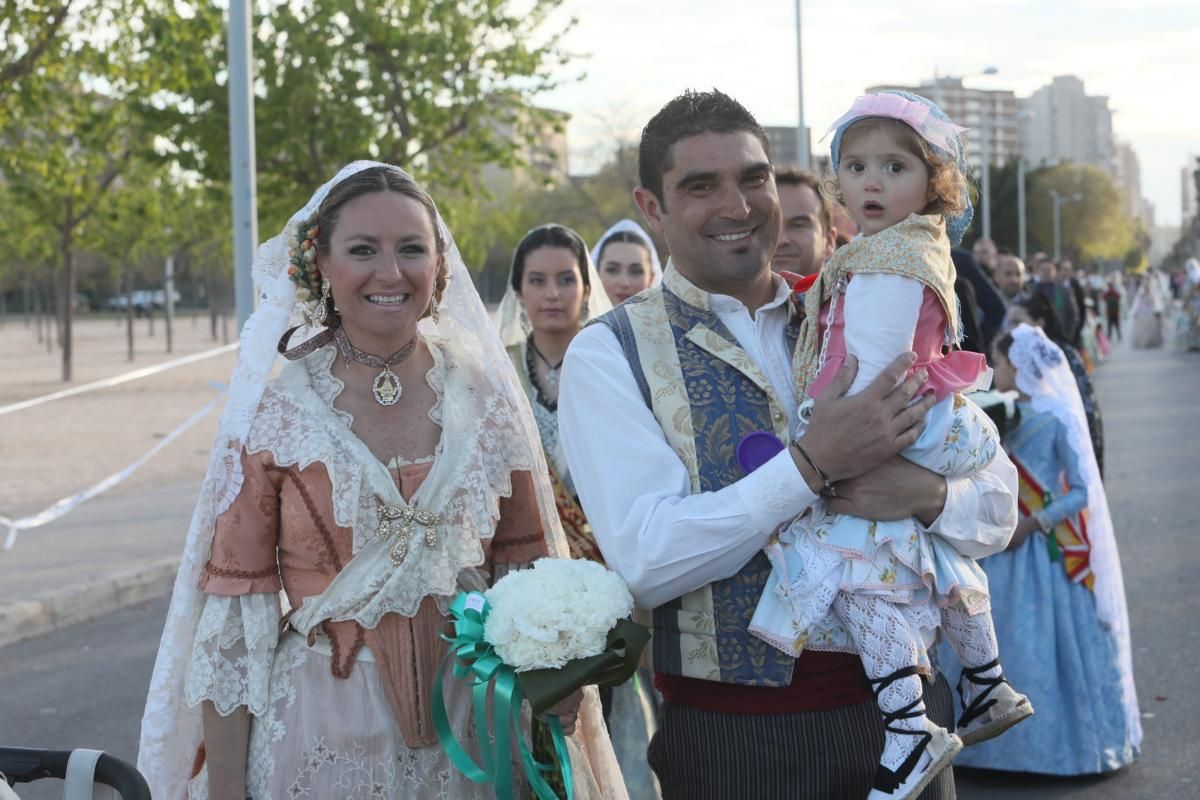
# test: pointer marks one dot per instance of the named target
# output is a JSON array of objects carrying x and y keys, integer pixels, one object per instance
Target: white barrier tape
[
  {"x": 118, "y": 379},
  {"x": 69, "y": 504}
]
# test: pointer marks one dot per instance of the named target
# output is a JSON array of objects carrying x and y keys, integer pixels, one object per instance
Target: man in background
[
  {"x": 986, "y": 254},
  {"x": 1060, "y": 297},
  {"x": 1010, "y": 277},
  {"x": 982, "y": 306},
  {"x": 808, "y": 237},
  {"x": 1071, "y": 282}
]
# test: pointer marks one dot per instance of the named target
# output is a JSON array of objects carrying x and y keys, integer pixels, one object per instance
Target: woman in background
[{"x": 627, "y": 261}]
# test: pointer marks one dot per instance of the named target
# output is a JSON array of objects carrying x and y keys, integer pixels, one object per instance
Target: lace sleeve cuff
[{"x": 232, "y": 653}]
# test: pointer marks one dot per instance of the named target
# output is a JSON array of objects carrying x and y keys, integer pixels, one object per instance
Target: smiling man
[{"x": 658, "y": 402}]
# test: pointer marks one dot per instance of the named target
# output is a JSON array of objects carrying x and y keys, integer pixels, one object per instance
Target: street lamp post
[
  {"x": 802, "y": 153},
  {"x": 241, "y": 140},
  {"x": 1022, "y": 247},
  {"x": 985, "y": 114},
  {"x": 1022, "y": 234},
  {"x": 985, "y": 151},
  {"x": 1059, "y": 199}
]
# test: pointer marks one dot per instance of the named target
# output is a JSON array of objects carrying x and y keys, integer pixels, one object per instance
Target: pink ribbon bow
[{"x": 915, "y": 114}]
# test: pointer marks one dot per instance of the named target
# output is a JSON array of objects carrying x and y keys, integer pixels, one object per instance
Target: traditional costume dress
[
  {"x": 822, "y": 554},
  {"x": 1189, "y": 334},
  {"x": 368, "y": 555},
  {"x": 631, "y": 713},
  {"x": 882, "y": 589},
  {"x": 1149, "y": 305},
  {"x": 1059, "y": 599},
  {"x": 514, "y": 335}
]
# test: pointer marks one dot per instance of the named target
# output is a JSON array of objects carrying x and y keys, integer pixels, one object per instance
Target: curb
[{"x": 28, "y": 618}]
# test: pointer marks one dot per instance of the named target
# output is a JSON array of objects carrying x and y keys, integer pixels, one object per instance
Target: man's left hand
[{"x": 894, "y": 490}]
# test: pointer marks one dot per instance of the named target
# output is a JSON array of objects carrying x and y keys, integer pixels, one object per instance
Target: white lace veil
[
  {"x": 508, "y": 316},
  {"x": 171, "y": 731},
  {"x": 629, "y": 226},
  {"x": 1043, "y": 374}
]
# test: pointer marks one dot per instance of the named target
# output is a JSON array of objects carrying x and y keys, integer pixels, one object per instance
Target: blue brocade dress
[{"x": 1052, "y": 644}]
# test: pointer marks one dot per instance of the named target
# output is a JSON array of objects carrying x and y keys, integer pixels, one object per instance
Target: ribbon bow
[
  {"x": 915, "y": 114},
  {"x": 474, "y": 658}
]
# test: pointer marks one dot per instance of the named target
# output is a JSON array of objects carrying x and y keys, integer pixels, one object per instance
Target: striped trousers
[{"x": 812, "y": 755}]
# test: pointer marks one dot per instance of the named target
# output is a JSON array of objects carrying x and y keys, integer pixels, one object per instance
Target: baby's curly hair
[{"x": 949, "y": 185}]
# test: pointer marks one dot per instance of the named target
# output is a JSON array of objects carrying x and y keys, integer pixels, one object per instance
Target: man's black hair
[{"x": 690, "y": 114}]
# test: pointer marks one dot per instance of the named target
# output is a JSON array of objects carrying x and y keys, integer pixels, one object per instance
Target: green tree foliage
[
  {"x": 72, "y": 133},
  {"x": 30, "y": 30},
  {"x": 1094, "y": 229},
  {"x": 488, "y": 228},
  {"x": 100, "y": 95},
  {"x": 428, "y": 85}
]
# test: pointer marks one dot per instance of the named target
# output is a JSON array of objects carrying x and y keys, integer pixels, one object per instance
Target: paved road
[{"x": 84, "y": 686}]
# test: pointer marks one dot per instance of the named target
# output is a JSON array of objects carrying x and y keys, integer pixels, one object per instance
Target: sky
[{"x": 637, "y": 54}]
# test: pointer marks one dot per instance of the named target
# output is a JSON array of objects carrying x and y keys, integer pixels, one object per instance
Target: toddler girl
[{"x": 880, "y": 588}]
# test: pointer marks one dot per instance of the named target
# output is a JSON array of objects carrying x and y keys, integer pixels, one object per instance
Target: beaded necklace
[{"x": 531, "y": 370}]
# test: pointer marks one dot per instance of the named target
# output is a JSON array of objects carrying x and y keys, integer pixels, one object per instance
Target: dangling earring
[
  {"x": 433, "y": 309},
  {"x": 320, "y": 314},
  {"x": 526, "y": 325}
]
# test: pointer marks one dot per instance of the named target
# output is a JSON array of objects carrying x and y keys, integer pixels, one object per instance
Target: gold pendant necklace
[{"x": 386, "y": 386}]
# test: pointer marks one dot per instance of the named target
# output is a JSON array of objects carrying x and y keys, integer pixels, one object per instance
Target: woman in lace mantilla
[
  {"x": 1058, "y": 591},
  {"x": 349, "y": 499},
  {"x": 553, "y": 290}
]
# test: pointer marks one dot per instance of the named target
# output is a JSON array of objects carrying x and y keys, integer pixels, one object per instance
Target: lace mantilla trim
[{"x": 297, "y": 425}]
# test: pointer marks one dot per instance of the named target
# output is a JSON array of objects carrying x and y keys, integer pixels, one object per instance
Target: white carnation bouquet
[
  {"x": 557, "y": 611},
  {"x": 538, "y": 635}
]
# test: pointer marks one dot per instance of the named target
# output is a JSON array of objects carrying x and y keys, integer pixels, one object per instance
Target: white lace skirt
[
  {"x": 821, "y": 554},
  {"x": 323, "y": 737}
]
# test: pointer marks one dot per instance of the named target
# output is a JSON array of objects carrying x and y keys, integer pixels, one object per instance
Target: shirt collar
[{"x": 725, "y": 304}]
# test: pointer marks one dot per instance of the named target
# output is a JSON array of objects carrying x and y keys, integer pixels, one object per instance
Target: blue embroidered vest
[{"x": 707, "y": 393}]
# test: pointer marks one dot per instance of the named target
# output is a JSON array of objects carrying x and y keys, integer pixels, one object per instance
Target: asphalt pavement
[{"x": 83, "y": 684}]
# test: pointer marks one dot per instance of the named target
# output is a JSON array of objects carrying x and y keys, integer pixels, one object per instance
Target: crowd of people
[{"x": 770, "y": 438}]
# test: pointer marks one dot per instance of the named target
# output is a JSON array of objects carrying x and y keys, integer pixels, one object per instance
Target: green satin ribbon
[{"x": 474, "y": 659}]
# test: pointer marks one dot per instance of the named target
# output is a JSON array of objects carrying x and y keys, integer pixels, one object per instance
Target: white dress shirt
[{"x": 666, "y": 541}]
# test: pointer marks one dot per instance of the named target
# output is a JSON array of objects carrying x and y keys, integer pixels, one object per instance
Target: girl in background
[{"x": 1057, "y": 591}]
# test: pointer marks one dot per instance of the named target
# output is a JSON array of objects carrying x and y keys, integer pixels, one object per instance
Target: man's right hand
[{"x": 848, "y": 436}]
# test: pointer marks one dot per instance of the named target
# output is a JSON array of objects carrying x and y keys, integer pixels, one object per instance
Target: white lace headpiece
[
  {"x": 1043, "y": 374},
  {"x": 508, "y": 315},
  {"x": 171, "y": 730},
  {"x": 1193, "y": 271},
  {"x": 629, "y": 226}
]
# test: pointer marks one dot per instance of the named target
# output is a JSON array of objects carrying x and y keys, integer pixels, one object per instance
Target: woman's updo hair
[
  {"x": 552, "y": 235},
  {"x": 1039, "y": 307},
  {"x": 622, "y": 237},
  {"x": 946, "y": 181},
  {"x": 370, "y": 181}
]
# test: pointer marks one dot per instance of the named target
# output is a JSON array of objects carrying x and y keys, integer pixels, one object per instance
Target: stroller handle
[{"x": 23, "y": 765}]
